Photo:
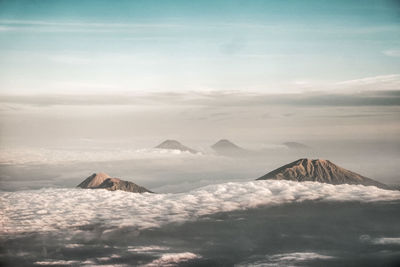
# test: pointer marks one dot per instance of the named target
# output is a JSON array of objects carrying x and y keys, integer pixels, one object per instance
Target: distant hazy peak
[
  {"x": 104, "y": 181},
  {"x": 318, "y": 170},
  {"x": 224, "y": 143},
  {"x": 170, "y": 142},
  {"x": 173, "y": 144}
]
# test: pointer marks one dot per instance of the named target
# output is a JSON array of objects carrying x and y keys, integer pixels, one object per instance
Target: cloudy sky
[
  {"x": 198, "y": 71},
  {"x": 96, "y": 47}
]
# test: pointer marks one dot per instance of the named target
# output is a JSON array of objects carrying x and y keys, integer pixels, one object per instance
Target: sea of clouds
[
  {"x": 57, "y": 156},
  {"x": 57, "y": 209}
]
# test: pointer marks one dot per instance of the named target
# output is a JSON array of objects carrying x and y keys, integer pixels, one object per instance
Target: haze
[{"x": 83, "y": 83}]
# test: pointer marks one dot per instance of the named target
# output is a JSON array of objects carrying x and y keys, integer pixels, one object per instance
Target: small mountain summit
[
  {"x": 225, "y": 144},
  {"x": 227, "y": 148},
  {"x": 319, "y": 170},
  {"x": 104, "y": 181},
  {"x": 175, "y": 145}
]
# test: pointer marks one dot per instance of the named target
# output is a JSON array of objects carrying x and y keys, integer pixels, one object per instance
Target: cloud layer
[
  {"x": 48, "y": 156},
  {"x": 58, "y": 209}
]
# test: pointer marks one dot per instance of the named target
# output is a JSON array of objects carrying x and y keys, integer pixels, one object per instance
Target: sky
[
  {"x": 94, "y": 81},
  {"x": 104, "y": 47}
]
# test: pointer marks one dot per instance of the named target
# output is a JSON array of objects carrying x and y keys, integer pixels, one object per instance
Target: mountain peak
[
  {"x": 170, "y": 142},
  {"x": 94, "y": 180},
  {"x": 175, "y": 145},
  {"x": 224, "y": 144},
  {"x": 318, "y": 170},
  {"x": 103, "y": 180}
]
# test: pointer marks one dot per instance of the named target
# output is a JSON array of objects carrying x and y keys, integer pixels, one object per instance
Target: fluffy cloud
[{"x": 57, "y": 209}]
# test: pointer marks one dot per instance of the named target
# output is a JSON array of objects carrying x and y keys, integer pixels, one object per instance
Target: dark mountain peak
[
  {"x": 225, "y": 144},
  {"x": 318, "y": 170},
  {"x": 104, "y": 181},
  {"x": 175, "y": 145},
  {"x": 170, "y": 142}
]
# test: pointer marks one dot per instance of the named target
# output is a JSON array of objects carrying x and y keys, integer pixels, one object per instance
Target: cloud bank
[
  {"x": 59, "y": 209},
  {"x": 52, "y": 156}
]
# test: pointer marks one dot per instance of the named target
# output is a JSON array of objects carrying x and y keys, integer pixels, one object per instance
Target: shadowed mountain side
[
  {"x": 104, "y": 181},
  {"x": 175, "y": 145},
  {"x": 319, "y": 170}
]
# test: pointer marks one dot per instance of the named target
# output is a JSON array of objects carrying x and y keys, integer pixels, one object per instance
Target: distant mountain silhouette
[
  {"x": 175, "y": 145},
  {"x": 296, "y": 146},
  {"x": 226, "y": 147},
  {"x": 319, "y": 170},
  {"x": 104, "y": 181}
]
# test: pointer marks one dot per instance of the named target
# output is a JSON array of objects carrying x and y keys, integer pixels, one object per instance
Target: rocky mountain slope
[
  {"x": 104, "y": 181},
  {"x": 319, "y": 170}
]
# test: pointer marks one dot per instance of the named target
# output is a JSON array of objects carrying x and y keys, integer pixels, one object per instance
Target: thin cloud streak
[
  {"x": 221, "y": 98},
  {"x": 89, "y": 24},
  {"x": 79, "y": 26},
  {"x": 392, "y": 53}
]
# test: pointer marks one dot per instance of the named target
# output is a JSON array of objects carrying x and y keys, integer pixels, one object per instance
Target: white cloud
[
  {"x": 380, "y": 82},
  {"x": 69, "y": 208},
  {"x": 172, "y": 259},
  {"x": 53, "y": 156},
  {"x": 287, "y": 259},
  {"x": 387, "y": 241},
  {"x": 147, "y": 249},
  {"x": 381, "y": 240},
  {"x": 298, "y": 256}
]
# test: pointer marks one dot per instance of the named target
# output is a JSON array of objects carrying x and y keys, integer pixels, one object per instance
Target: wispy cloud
[
  {"x": 380, "y": 82},
  {"x": 78, "y": 26},
  {"x": 392, "y": 53},
  {"x": 211, "y": 99},
  {"x": 88, "y": 24}
]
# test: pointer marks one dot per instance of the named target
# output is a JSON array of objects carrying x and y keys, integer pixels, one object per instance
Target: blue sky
[{"x": 141, "y": 46}]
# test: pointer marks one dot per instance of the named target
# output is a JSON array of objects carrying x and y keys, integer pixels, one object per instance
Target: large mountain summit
[
  {"x": 104, "y": 181},
  {"x": 319, "y": 170}
]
